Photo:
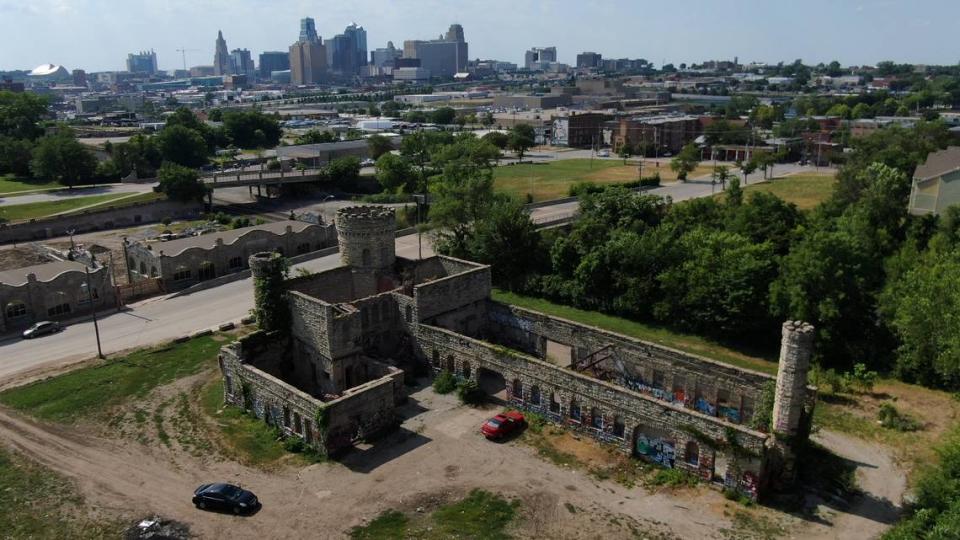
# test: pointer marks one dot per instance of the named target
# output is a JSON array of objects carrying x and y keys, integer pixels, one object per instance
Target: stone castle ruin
[{"x": 334, "y": 379}]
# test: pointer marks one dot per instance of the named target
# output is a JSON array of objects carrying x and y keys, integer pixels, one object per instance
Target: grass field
[
  {"x": 90, "y": 391},
  {"x": 684, "y": 342},
  {"x": 21, "y": 212},
  {"x": 553, "y": 180},
  {"x": 10, "y": 185},
  {"x": 805, "y": 191},
  {"x": 38, "y": 503}
]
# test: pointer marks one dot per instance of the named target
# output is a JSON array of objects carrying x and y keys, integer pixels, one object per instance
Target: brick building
[{"x": 667, "y": 133}]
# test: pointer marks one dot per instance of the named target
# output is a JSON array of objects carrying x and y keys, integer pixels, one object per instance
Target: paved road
[
  {"x": 152, "y": 321},
  {"x": 59, "y": 195}
]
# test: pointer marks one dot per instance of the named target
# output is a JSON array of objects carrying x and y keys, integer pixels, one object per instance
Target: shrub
[
  {"x": 672, "y": 478},
  {"x": 294, "y": 445},
  {"x": 444, "y": 383},
  {"x": 273, "y": 165},
  {"x": 167, "y": 220},
  {"x": 469, "y": 392},
  {"x": 861, "y": 378},
  {"x": 584, "y": 188},
  {"x": 535, "y": 422},
  {"x": 891, "y": 418},
  {"x": 650, "y": 181},
  {"x": 240, "y": 222}
]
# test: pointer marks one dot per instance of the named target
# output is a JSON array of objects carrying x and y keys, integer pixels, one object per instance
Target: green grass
[
  {"x": 552, "y": 180},
  {"x": 805, "y": 191},
  {"x": 20, "y": 212},
  {"x": 36, "y": 502},
  {"x": 480, "y": 516},
  {"x": 390, "y": 525},
  {"x": 684, "y": 342},
  {"x": 10, "y": 185},
  {"x": 90, "y": 391},
  {"x": 249, "y": 439}
]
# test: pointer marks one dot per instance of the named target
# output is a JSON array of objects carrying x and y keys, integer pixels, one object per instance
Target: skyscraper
[
  {"x": 347, "y": 52},
  {"x": 142, "y": 62},
  {"x": 442, "y": 57},
  {"x": 241, "y": 63},
  {"x": 221, "y": 58},
  {"x": 271, "y": 61},
  {"x": 537, "y": 57},
  {"x": 308, "y": 30}
]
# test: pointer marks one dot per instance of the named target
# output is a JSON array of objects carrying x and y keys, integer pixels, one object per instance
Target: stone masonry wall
[
  {"x": 38, "y": 298},
  {"x": 712, "y": 387},
  {"x": 634, "y": 422},
  {"x": 449, "y": 293}
]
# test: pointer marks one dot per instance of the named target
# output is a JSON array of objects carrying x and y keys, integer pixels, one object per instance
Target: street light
[{"x": 93, "y": 311}]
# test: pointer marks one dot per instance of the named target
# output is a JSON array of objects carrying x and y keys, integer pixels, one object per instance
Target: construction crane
[{"x": 184, "y": 53}]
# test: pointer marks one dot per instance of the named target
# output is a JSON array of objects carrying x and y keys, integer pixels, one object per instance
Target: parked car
[
  {"x": 603, "y": 153},
  {"x": 225, "y": 497},
  {"x": 41, "y": 328},
  {"x": 368, "y": 163},
  {"x": 502, "y": 425}
]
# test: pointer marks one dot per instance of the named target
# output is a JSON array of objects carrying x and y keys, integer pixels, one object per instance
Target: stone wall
[
  {"x": 96, "y": 220},
  {"x": 452, "y": 292},
  {"x": 635, "y": 423},
  {"x": 35, "y": 300},
  {"x": 712, "y": 387}
]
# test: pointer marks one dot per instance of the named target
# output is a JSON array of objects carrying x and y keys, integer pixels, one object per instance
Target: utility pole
[{"x": 93, "y": 311}]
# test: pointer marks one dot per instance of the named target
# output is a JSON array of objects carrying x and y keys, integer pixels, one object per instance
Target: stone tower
[
  {"x": 796, "y": 346},
  {"x": 269, "y": 295},
  {"x": 366, "y": 235}
]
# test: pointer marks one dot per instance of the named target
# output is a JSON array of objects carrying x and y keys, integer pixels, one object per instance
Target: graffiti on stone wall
[
  {"x": 655, "y": 449},
  {"x": 508, "y": 319},
  {"x": 704, "y": 406},
  {"x": 730, "y": 413}
]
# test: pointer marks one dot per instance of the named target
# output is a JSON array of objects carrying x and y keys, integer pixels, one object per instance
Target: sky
[{"x": 96, "y": 35}]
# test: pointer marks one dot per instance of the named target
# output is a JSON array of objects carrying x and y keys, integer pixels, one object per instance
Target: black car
[{"x": 226, "y": 497}]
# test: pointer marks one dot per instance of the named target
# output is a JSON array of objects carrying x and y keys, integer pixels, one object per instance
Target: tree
[
  {"x": 443, "y": 116},
  {"x": 252, "y": 129},
  {"x": 506, "y": 238},
  {"x": 487, "y": 119},
  {"x": 468, "y": 147},
  {"x": 345, "y": 171},
  {"x": 748, "y": 168},
  {"x": 315, "y": 136},
  {"x": 685, "y": 161},
  {"x": 624, "y": 153},
  {"x": 181, "y": 183},
  {"x": 271, "y": 308},
  {"x": 140, "y": 154},
  {"x": 722, "y": 174},
  {"x": 61, "y": 157},
  {"x": 20, "y": 114},
  {"x": 15, "y": 156},
  {"x": 497, "y": 138},
  {"x": 183, "y": 146},
  {"x": 378, "y": 145},
  {"x": 395, "y": 174},
  {"x": 522, "y": 138},
  {"x": 462, "y": 194}
]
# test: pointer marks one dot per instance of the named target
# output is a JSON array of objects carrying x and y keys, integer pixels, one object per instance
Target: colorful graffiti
[
  {"x": 730, "y": 413},
  {"x": 655, "y": 449},
  {"x": 704, "y": 406}
]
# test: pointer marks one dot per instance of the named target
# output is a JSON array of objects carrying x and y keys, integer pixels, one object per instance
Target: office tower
[
  {"x": 589, "y": 60},
  {"x": 537, "y": 57},
  {"x": 143, "y": 62},
  {"x": 79, "y": 77},
  {"x": 385, "y": 57},
  {"x": 308, "y": 30},
  {"x": 271, "y": 61},
  {"x": 241, "y": 63},
  {"x": 442, "y": 57},
  {"x": 347, "y": 52},
  {"x": 308, "y": 62},
  {"x": 221, "y": 58}
]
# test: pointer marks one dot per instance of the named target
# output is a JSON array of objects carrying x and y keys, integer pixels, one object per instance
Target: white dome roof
[{"x": 47, "y": 69}]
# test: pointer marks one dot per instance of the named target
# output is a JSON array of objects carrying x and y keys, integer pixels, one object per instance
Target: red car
[{"x": 502, "y": 425}]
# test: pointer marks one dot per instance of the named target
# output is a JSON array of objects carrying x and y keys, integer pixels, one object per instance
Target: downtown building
[
  {"x": 308, "y": 56},
  {"x": 143, "y": 62},
  {"x": 221, "y": 56},
  {"x": 271, "y": 61},
  {"x": 443, "y": 57},
  {"x": 347, "y": 52}
]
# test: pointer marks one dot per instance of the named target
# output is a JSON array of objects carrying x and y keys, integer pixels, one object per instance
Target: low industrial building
[
  {"x": 187, "y": 261},
  {"x": 317, "y": 155},
  {"x": 52, "y": 291},
  {"x": 520, "y": 101},
  {"x": 335, "y": 377},
  {"x": 667, "y": 133}
]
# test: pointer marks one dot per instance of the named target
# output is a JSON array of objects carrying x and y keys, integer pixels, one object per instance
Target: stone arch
[
  {"x": 451, "y": 365},
  {"x": 691, "y": 454},
  {"x": 436, "y": 358},
  {"x": 465, "y": 369},
  {"x": 619, "y": 428},
  {"x": 535, "y": 395},
  {"x": 143, "y": 268},
  {"x": 365, "y": 257},
  {"x": 207, "y": 271},
  {"x": 517, "y": 389},
  {"x": 575, "y": 413},
  {"x": 153, "y": 271},
  {"x": 596, "y": 418},
  {"x": 554, "y": 403}
]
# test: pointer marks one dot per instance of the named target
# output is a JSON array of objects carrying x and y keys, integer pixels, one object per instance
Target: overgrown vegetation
[
  {"x": 444, "y": 382},
  {"x": 469, "y": 392},
  {"x": 891, "y": 418}
]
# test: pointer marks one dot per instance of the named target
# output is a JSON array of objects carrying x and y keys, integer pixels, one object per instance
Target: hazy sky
[{"x": 96, "y": 35}]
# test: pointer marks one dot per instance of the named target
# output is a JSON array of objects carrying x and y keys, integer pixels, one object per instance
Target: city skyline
[{"x": 862, "y": 32}]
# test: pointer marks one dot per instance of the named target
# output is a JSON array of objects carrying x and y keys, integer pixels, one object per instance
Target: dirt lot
[{"x": 152, "y": 454}]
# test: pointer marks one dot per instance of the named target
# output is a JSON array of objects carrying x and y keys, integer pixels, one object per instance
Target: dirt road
[{"x": 436, "y": 456}]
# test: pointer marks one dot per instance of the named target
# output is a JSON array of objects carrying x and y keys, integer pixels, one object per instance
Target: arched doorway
[
  {"x": 654, "y": 445},
  {"x": 493, "y": 384}
]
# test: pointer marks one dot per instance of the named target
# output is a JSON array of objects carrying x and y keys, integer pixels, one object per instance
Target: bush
[
  {"x": 387, "y": 197},
  {"x": 863, "y": 379},
  {"x": 469, "y": 392},
  {"x": 584, "y": 188},
  {"x": 240, "y": 222},
  {"x": 444, "y": 383},
  {"x": 273, "y": 165},
  {"x": 167, "y": 221},
  {"x": 672, "y": 478},
  {"x": 891, "y": 418},
  {"x": 294, "y": 445},
  {"x": 650, "y": 181}
]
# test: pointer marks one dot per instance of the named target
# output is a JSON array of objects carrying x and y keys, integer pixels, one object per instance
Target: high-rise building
[
  {"x": 308, "y": 30},
  {"x": 308, "y": 62},
  {"x": 442, "y": 57},
  {"x": 538, "y": 57},
  {"x": 271, "y": 61},
  {"x": 143, "y": 62},
  {"x": 241, "y": 63},
  {"x": 589, "y": 60},
  {"x": 221, "y": 58},
  {"x": 79, "y": 77},
  {"x": 347, "y": 52},
  {"x": 385, "y": 57}
]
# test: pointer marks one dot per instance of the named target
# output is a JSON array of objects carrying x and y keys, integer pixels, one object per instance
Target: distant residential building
[
  {"x": 442, "y": 57},
  {"x": 241, "y": 63},
  {"x": 537, "y": 57},
  {"x": 271, "y": 61},
  {"x": 936, "y": 183},
  {"x": 142, "y": 62},
  {"x": 221, "y": 57},
  {"x": 589, "y": 60}
]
